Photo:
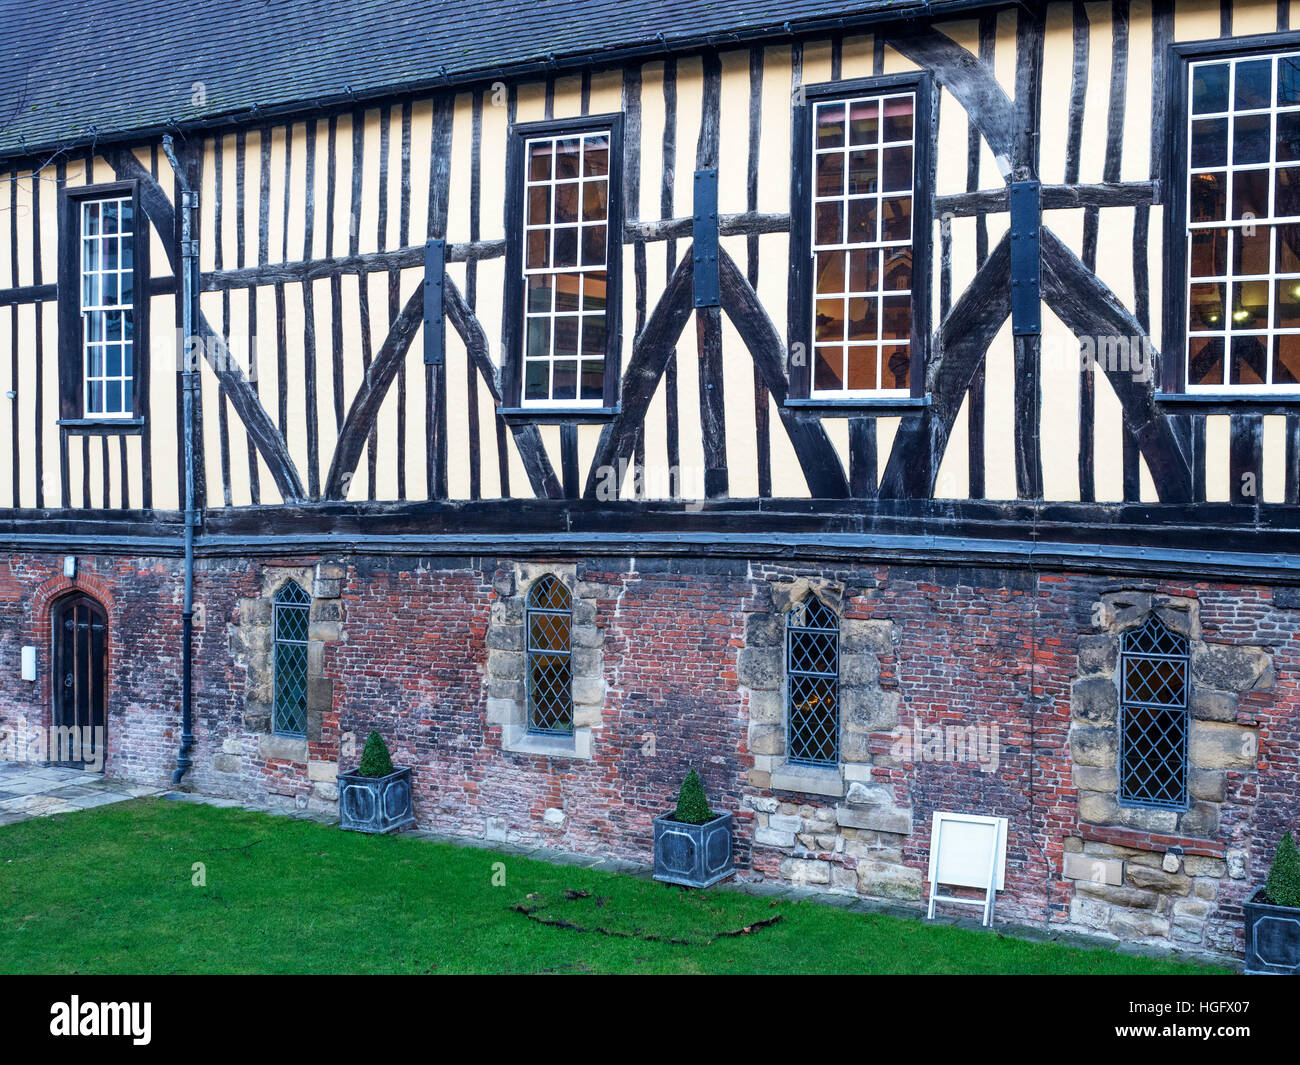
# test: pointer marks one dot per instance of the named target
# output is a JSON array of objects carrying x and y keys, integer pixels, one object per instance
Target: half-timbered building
[{"x": 882, "y": 408}]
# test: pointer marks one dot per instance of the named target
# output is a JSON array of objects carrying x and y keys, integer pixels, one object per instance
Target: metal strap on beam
[
  {"x": 435, "y": 270},
  {"x": 1026, "y": 292},
  {"x": 705, "y": 233}
]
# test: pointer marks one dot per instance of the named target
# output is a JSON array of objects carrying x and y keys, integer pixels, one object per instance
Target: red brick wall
[{"x": 977, "y": 647}]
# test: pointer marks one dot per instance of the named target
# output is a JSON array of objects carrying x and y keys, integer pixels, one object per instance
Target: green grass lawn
[{"x": 111, "y": 891}]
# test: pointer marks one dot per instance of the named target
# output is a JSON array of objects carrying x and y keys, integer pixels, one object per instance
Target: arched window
[
  {"x": 550, "y": 670},
  {"x": 292, "y": 609},
  {"x": 1153, "y": 717},
  {"x": 812, "y": 669}
]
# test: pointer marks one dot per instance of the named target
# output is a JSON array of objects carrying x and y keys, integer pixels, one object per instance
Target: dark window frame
[
  {"x": 513, "y": 332},
  {"x": 72, "y": 412},
  {"x": 800, "y": 303},
  {"x": 531, "y": 653},
  {"x": 277, "y": 606},
  {"x": 800, "y": 612},
  {"x": 1172, "y": 376},
  {"x": 1129, "y": 706}
]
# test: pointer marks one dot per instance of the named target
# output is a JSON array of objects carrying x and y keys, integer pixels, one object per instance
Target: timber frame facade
[{"x": 370, "y": 267}]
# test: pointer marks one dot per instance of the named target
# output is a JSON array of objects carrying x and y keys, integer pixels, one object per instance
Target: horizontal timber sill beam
[
  {"x": 298, "y": 271},
  {"x": 1055, "y": 198},
  {"x": 1112, "y": 539}
]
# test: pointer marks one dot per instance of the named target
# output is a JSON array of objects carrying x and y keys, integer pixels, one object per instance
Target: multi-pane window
[
  {"x": 107, "y": 307},
  {"x": 566, "y": 270},
  {"x": 1153, "y": 717},
  {"x": 291, "y": 620},
  {"x": 549, "y": 626},
  {"x": 862, "y": 203},
  {"x": 813, "y": 684},
  {"x": 1243, "y": 224}
]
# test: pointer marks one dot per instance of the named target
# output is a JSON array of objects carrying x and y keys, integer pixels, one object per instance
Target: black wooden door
[{"x": 80, "y": 695}]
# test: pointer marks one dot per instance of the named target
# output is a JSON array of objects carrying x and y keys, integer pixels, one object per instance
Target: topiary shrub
[
  {"x": 375, "y": 759},
  {"x": 692, "y": 806},
  {"x": 1282, "y": 887}
]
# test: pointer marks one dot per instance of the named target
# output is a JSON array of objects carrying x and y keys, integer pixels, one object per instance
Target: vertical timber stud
[
  {"x": 708, "y": 328},
  {"x": 1026, "y": 329},
  {"x": 435, "y": 269}
]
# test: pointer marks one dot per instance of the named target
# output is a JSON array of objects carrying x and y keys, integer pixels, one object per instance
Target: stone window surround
[
  {"x": 1217, "y": 743},
  {"x": 253, "y": 644},
  {"x": 865, "y": 708},
  {"x": 507, "y": 701}
]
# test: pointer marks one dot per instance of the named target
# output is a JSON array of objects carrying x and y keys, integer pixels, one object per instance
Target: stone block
[
  {"x": 326, "y": 588},
  {"x": 1094, "y": 870},
  {"x": 859, "y": 670},
  {"x": 325, "y": 790},
  {"x": 1098, "y": 808},
  {"x": 860, "y": 794},
  {"x": 766, "y": 707},
  {"x": 227, "y": 763},
  {"x": 1129, "y": 897},
  {"x": 1209, "y": 705},
  {"x": 1095, "y": 747},
  {"x": 1217, "y": 745},
  {"x": 1159, "y": 881},
  {"x": 766, "y": 739},
  {"x": 1098, "y": 654},
  {"x": 554, "y": 817},
  {"x": 875, "y": 818},
  {"x": 1147, "y": 819},
  {"x": 764, "y": 630},
  {"x": 1129, "y": 925},
  {"x": 1231, "y": 668},
  {"x": 320, "y": 693},
  {"x": 1201, "y": 865},
  {"x": 878, "y": 636},
  {"x": 1201, "y": 820},
  {"x": 496, "y": 829},
  {"x": 807, "y": 780},
  {"x": 588, "y": 691},
  {"x": 282, "y": 748},
  {"x": 1210, "y": 785},
  {"x": 785, "y": 823},
  {"x": 505, "y": 638},
  {"x": 508, "y": 664},
  {"x": 1094, "y": 700},
  {"x": 328, "y": 631},
  {"x": 322, "y": 771},
  {"x": 1090, "y": 778},
  {"x": 331, "y": 570},
  {"x": 770, "y": 837},
  {"x": 887, "y": 881},
  {"x": 869, "y": 709},
  {"x": 759, "y": 667},
  {"x": 1091, "y": 913},
  {"x": 805, "y": 872}
]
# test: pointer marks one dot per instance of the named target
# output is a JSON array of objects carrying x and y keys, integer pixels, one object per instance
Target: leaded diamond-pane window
[
  {"x": 1153, "y": 717},
  {"x": 550, "y": 669},
  {"x": 813, "y": 685},
  {"x": 292, "y": 610}
]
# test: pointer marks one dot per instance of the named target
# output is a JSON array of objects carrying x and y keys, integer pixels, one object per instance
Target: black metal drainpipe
[{"x": 189, "y": 356}]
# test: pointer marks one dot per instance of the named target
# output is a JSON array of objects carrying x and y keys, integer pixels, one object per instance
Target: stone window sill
[
  {"x": 808, "y": 780},
  {"x": 519, "y": 740}
]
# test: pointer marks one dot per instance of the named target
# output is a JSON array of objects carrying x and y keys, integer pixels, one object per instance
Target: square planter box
[
  {"x": 375, "y": 804},
  {"x": 1272, "y": 938},
  {"x": 693, "y": 855}
]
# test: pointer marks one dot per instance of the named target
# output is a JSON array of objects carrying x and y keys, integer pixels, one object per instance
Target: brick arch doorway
[{"x": 80, "y": 713}]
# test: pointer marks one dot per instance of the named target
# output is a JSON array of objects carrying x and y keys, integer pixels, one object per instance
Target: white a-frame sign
[{"x": 967, "y": 850}]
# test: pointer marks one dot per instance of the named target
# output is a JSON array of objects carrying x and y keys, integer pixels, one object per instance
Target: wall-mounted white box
[{"x": 29, "y": 663}]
